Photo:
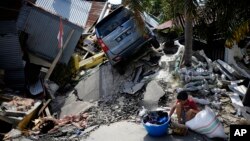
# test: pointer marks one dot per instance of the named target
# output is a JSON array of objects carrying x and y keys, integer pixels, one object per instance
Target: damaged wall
[{"x": 235, "y": 51}]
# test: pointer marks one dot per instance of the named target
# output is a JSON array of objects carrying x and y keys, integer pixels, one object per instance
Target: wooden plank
[
  {"x": 45, "y": 106},
  {"x": 30, "y": 115},
  {"x": 86, "y": 49},
  {"x": 84, "y": 57},
  {"x": 14, "y": 113}
]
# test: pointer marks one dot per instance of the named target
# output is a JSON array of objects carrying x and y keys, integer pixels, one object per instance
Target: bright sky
[{"x": 115, "y": 1}]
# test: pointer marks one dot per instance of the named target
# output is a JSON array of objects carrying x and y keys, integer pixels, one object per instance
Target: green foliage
[{"x": 227, "y": 16}]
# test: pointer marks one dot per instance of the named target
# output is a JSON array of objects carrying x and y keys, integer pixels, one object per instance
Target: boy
[{"x": 185, "y": 108}]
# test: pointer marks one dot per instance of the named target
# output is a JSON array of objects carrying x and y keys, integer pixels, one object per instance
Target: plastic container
[{"x": 157, "y": 129}]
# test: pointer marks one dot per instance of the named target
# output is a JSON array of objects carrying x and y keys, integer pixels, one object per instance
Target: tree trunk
[{"x": 188, "y": 39}]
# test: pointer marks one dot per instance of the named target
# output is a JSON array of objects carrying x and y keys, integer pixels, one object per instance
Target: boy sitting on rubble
[{"x": 185, "y": 108}]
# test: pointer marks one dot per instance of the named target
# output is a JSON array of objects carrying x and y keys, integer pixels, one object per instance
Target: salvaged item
[
  {"x": 156, "y": 123},
  {"x": 205, "y": 122}
]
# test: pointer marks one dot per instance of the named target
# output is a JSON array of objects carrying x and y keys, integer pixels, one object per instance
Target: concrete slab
[
  {"x": 88, "y": 89},
  {"x": 111, "y": 80},
  {"x": 75, "y": 108},
  {"x": 102, "y": 82},
  {"x": 152, "y": 95},
  {"x": 128, "y": 131}
]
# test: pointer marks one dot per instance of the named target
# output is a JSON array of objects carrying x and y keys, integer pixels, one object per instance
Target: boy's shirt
[{"x": 190, "y": 104}]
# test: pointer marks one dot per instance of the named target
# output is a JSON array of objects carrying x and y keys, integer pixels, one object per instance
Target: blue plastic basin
[{"x": 157, "y": 130}]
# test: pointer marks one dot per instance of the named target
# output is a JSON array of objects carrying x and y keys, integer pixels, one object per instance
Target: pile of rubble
[
  {"x": 210, "y": 83},
  {"x": 17, "y": 110}
]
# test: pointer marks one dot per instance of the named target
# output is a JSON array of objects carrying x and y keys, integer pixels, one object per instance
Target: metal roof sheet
[
  {"x": 94, "y": 13},
  {"x": 10, "y": 50},
  {"x": 7, "y": 27},
  {"x": 42, "y": 29},
  {"x": 11, "y": 55},
  {"x": 75, "y": 11}
]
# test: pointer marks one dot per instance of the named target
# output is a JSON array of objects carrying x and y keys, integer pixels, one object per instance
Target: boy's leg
[{"x": 190, "y": 114}]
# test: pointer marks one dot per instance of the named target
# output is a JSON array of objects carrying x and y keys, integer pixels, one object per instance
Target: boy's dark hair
[{"x": 182, "y": 95}]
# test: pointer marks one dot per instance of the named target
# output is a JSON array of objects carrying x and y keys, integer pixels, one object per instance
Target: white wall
[{"x": 231, "y": 53}]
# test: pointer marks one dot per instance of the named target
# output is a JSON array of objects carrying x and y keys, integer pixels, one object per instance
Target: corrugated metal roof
[
  {"x": 10, "y": 50},
  {"x": 22, "y": 17},
  {"x": 11, "y": 55},
  {"x": 94, "y": 13},
  {"x": 42, "y": 28},
  {"x": 7, "y": 27},
  {"x": 75, "y": 11}
]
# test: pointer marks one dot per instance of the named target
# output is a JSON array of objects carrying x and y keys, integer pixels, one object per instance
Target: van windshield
[{"x": 113, "y": 22}]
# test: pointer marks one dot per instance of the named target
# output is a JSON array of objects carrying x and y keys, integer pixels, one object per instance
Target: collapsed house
[
  {"x": 40, "y": 21},
  {"x": 113, "y": 104},
  {"x": 37, "y": 28}
]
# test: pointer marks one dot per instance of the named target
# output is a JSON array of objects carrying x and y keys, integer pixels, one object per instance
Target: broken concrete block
[
  {"x": 209, "y": 61},
  {"x": 201, "y": 101},
  {"x": 241, "y": 90},
  {"x": 195, "y": 60},
  {"x": 131, "y": 87},
  {"x": 138, "y": 73},
  {"x": 198, "y": 78},
  {"x": 241, "y": 70},
  {"x": 236, "y": 102},
  {"x": 152, "y": 95},
  {"x": 216, "y": 104},
  {"x": 228, "y": 68},
  {"x": 165, "y": 61},
  {"x": 218, "y": 90},
  {"x": 223, "y": 71},
  {"x": 192, "y": 84}
]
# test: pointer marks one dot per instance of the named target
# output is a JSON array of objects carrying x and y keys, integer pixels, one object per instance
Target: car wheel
[{"x": 155, "y": 43}]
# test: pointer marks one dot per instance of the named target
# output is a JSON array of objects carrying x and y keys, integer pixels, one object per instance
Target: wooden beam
[
  {"x": 45, "y": 106},
  {"x": 86, "y": 49},
  {"x": 58, "y": 56}
]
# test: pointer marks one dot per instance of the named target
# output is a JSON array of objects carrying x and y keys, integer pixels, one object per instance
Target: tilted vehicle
[{"x": 120, "y": 37}]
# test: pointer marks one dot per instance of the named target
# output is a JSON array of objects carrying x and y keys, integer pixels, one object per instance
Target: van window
[{"x": 115, "y": 21}]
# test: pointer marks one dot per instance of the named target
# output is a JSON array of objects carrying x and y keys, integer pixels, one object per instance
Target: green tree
[
  {"x": 231, "y": 18},
  {"x": 138, "y": 5}
]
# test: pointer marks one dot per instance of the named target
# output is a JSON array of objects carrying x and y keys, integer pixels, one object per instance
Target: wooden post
[{"x": 58, "y": 56}]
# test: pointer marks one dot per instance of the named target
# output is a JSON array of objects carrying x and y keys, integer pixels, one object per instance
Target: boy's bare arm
[{"x": 172, "y": 110}]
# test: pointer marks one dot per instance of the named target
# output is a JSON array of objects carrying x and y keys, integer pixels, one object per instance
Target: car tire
[{"x": 155, "y": 43}]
